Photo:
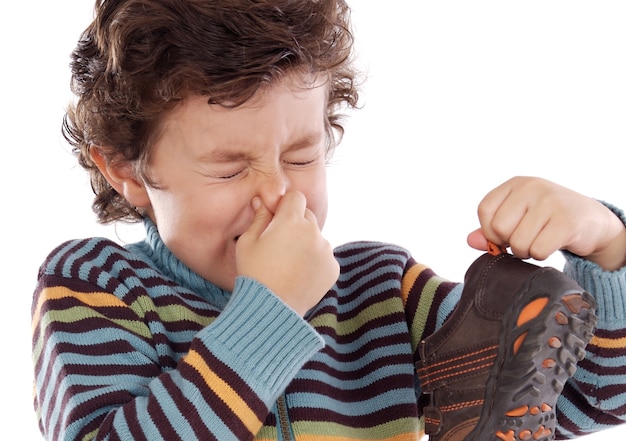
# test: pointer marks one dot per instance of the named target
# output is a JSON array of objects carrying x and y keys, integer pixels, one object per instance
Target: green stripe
[
  {"x": 78, "y": 313},
  {"x": 384, "y": 431},
  {"x": 427, "y": 296},
  {"x": 180, "y": 313},
  {"x": 372, "y": 312}
]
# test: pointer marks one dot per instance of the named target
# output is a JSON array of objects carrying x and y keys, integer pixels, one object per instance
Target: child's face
[{"x": 210, "y": 162}]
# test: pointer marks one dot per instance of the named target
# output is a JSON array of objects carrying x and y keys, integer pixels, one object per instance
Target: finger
[
  {"x": 292, "y": 203},
  {"x": 310, "y": 216},
  {"x": 487, "y": 210},
  {"x": 526, "y": 233},
  {"x": 547, "y": 241},
  {"x": 500, "y": 214},
  {"x": 477, "y": 240},
  {"x": 262, "y": 218}
]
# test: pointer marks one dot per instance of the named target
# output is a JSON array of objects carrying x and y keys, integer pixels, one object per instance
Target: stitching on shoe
[
  {"x": 461, "y": 374},
  {"x": 432, "y": 421},
  {"x": 447, "y": 358},
  {"x": 432, "y": 374},
  {"x": 457, "y": 406},
  {"x": 430, "y": 371},
  {"x": 480, "y": 288},
  {"x": 454, "y": 387}
]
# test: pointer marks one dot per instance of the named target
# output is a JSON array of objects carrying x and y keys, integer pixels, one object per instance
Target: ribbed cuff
[
  {"x": 261, "y": 338},
  {"x": 607, "y": 287}
]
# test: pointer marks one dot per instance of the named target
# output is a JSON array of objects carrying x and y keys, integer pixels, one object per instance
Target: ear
[{"x": 121, "y": 176}]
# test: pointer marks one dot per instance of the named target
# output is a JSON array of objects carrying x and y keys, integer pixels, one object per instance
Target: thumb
[
  {"x": 477, "y": 240},
  {"x": 262, "y": 218}
]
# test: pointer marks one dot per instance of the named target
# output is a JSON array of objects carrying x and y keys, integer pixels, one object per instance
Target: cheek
[
  {"x": 316, "y": 192},
  {"x": 218, "y": 211},
  {"x": 180, "y": 215},
  {"x": 321, "y": 211},
  {"x": 164, "y": 212}
]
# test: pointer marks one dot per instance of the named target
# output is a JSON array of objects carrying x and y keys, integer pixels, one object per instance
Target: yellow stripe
[
  {"x": 409, "y": 279},
  {"x": 93, "y": 299},
  {"x": 611, "y": 343},
  {"x": 226, "y": 393},
  {"x": 425, "y": 301},
  {"x": 60, "y": 292}
]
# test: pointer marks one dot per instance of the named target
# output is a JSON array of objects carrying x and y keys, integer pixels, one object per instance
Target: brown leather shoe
[{"x": 498, "y": 364}]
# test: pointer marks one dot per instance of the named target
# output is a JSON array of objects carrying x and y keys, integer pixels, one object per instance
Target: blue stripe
[
  {"x": 359, "y": 408},
  {"x": 379, "y": 374}
]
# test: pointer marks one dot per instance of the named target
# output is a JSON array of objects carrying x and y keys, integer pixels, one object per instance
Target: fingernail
[{"x": 256, "y": 203}]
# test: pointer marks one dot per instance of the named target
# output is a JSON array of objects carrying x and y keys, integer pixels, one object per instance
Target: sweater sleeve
[
  {"x": 593, "y": 400},
  {"x": 99, "y": 373}
]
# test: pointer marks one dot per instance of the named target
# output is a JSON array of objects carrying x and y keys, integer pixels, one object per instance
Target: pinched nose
[{"x": 272, "y": 187}]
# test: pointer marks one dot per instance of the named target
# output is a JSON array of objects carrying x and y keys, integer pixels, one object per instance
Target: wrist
[{"x": 613, "y": 256}]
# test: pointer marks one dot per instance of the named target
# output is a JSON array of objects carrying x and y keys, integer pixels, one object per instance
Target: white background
[{"x": 461, "y": 95}]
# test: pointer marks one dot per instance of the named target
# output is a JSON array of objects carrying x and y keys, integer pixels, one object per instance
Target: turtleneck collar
[{"x": 162, "y": 259}]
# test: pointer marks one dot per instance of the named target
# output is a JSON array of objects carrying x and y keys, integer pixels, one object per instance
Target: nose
[{"x": 272, "y": 187}]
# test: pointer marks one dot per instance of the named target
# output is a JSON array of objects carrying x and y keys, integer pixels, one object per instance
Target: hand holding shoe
[{"x": 536, "y": 217}]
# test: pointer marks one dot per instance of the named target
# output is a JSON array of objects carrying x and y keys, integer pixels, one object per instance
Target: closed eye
[
  {"x": 227, "y": 173},
  {"x": 230, "y": 175},
  {"x": 300, "y": 163}
]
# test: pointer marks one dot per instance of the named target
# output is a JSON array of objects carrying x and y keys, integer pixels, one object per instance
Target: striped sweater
[{"x": 130, "y": 344}]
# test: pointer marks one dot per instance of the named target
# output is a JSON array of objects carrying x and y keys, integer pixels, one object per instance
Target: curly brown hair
[{"x": 139, "y": 58}]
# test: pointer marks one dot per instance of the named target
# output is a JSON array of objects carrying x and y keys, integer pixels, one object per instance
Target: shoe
[{"x": 496, "y": 367}]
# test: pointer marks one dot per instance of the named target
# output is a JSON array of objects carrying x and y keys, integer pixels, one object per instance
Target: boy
[{"x": 211, "y": 121}]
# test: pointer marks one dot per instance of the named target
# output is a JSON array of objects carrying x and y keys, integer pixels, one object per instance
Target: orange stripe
[
  {"x": 610, "y": 343},
  {"x": 225, "y": 392},
  {"x": 408, "y": 280},
  {"x": 90, "y": 299}
]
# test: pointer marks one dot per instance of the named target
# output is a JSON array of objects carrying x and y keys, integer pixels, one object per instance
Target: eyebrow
[
  {"x": 305, "y": 141},
  {"x": 232, "y": 155}
]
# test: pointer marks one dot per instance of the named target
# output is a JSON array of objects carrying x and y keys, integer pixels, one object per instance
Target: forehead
[{"x": 293, "y": 108}]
